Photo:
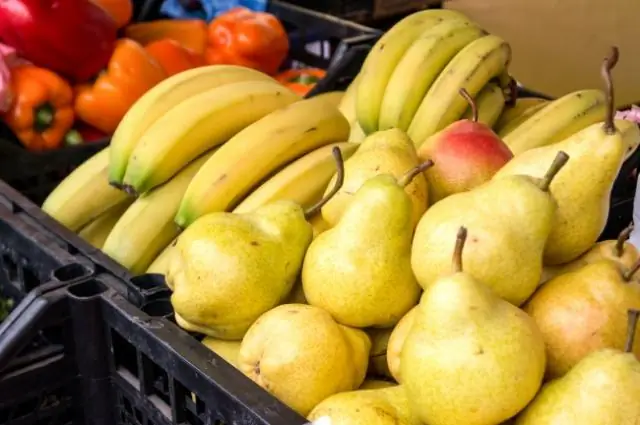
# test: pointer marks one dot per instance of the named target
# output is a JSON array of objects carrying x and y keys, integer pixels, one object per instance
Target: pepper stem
[
  {"x": 608, "y": 65},
  {"x": 73, "y": 138},
  {"x": 557, "y": 164},
  {"x": 412, "y": 173},
  {"x": 622, "y": 238},
  {"x": 337, "y": 156},
  {"x": 461, "y": 238},
  {"x": 43, "y": 117},
  {"x": 631, "y": 330}
]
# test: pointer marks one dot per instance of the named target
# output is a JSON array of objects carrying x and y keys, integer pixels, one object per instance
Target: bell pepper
[
  {"x": 301, "y": 80},
  {"x": 41, "y": 114},
  {"x": 130, "y": 73},
  {"x": 243, "y": 37},
  {"x": 190, "y": 33},
  {"x": 74, "y": 38},
  {"x": 173, "y": 57},
  {"x": 121, "y": 11}
]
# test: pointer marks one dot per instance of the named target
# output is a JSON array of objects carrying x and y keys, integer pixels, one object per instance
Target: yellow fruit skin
[
  {"x": 97, "y": 231},
  {"x": 522, "y": 104}
]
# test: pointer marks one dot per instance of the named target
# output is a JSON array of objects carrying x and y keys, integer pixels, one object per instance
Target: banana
[
  {"x": 517, "y": 121},
  {"x": 490, "y": 103},
  {"x": 147, "y": 227},
  {"x": 198, "y": 124},
  {"x": 333, "y": 98},
  {"x": 163, "y": 97},
  {"x": 558, "y": 120},
  {"x": 96, "y": 232},
  {"x": 522, "y": 105},
  {"x": 347, "y": 104},
  {"x": 84, "y": 194},
  {"x": 303, "y": 181},
  {"x": 384, "y": 57},
  {"x": 630, "y": 135},
  {"x": 420, "y": 66},
  {"x": 472, "y": 68},
  {"x": 258, "y": 151},
  {"x": 161, "y": 264}
]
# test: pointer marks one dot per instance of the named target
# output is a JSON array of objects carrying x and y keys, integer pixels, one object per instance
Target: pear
[
  {"x": 470, "y": 357},
  {"x": 227, "y": 269},
  {"x": 302, "y": 356},
  {"x": 374, "y": 384},
  {"x": 583, "y": 311},
  {"x": 510, "y": 220},
  {"x": 360, "y": 270},
  {"x": 602, "y": 389},
  {"x": 385, "y": 152},
  {"x": 396, "y": 342},
  {"x": 228, "y": 350},
  {"x": 620, "y": 251},
  {"x": 582, "y": 188},
  {"x": 382, "y": 406},
  {"x": 378, "y": 355}
]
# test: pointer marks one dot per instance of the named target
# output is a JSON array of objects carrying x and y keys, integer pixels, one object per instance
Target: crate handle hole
[
  {"x": 148, "y": 281},
  {"x": 71, "y": 272},
  {"x": 158, "y": 308},
  {"x": 88, "y": 289}
]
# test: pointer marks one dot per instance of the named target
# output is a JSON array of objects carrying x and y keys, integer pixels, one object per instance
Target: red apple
[{"x": 465, "y": 155}]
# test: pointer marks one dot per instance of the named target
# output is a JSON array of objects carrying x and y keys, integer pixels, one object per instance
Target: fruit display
[{"x": 420, "y": 249}]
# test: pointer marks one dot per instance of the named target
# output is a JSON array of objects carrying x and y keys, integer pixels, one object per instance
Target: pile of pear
[{"x": 491, "y": 303}]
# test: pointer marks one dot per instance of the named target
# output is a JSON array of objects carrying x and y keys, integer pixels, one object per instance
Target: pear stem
[
  {"x": 472, "y": 104},
  {"x": 412, "y": 173},
  {"x": 608, "y": 64},
  {"x": 622, "y": 238},
  {"x": 629, "y": 273},
  {"x": 631, "y": 330},
  {"x": 461, "y": 238},
  {"x": 314, "y": 209},
  {"x": 557, "y": 164}
]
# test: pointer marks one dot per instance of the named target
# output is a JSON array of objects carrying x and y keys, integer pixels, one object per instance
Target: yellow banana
[
  {"x": 522, "y": 105},
  {"x": 163, "y": 97},
  {"x": 84, "y": 194},
  {"x": 490, "y": 103},
  {"x": 303, "y": 181},
  {"x": 558, "y": 120},
  {"x": 347, "y": 104},
  {"x": 630, "y": 135},
  {"x": 472, "y": 68},
  {"x": 419, "y": 67},
  {"x": 384, "y": 57},
  {"x": 147, "y": 227},
  {"x": 198, "y": 124},
  {"x": 161, "y": 264},
  {"x": 97, "y": 231},
  {"x": 333, "y": 98},
  {"x": 258, "y": 151}
]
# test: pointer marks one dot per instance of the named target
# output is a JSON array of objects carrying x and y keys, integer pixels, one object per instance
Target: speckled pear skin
[
  {"x": 509, "y": 221},
  {"x": 470, "y": 357},
  {"x": 603, "y": 389},
  {"x": 302, "y": 356},
  {"x": 228, "y": 269},
  {"x": 382, "y": 406},
  {"x": 360, "y": 270},
  {"x": 396, "y": 342},
  {"x": 384, "y": 152}
]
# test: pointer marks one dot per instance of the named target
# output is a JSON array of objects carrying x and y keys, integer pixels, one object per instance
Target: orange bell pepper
[
  {"x": 130, "y": 73},
  {"x": 120, "y": 10},
  {"x": 41, "y": 113},
  {"x": 301, "y": 80},
  {"x": 173, "y": 57},
  {"x": 190, "y": 33},
  {"x": 247, "y": 38}
]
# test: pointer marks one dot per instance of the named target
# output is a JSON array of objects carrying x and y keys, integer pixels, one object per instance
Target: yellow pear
[
  {"x": 302, "y": 356},
  {"x": 228, "y": 350},
  {"x": 396, "y": 342}
]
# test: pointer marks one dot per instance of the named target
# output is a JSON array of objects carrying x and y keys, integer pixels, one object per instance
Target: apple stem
[
  {"x": 631, "y": 330},
  {"x": 629, "y": 273},
  {"x": 412, "y": 173},
  {"x": 472, "y": 104},
  {"x": 461, "y": 238},
  {"x": 608, "y": 64},
  {"x": 337, "y": 156},
  {"x": 622, "y": 238},
  {"x": 557, "y": 164}
]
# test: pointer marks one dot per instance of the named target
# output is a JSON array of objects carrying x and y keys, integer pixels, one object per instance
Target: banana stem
[
  {"x": 608, "y": 64},
  {"x": 337, "y": 156},
  {"x": 557, "y": 164},
  {"x": 472, "y": 104},
  {"x": 629, "y": 273},
  {"x": 412, "y": 173},
  {"x": 622, "y": 238},
  {"x": 461, "y": 238},
  {"x": 631, "y": 330}
]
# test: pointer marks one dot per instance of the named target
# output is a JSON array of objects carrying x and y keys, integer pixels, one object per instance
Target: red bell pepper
[{"x": 74, "y": 38}]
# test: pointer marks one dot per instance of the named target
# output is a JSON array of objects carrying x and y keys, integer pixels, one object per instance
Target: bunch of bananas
[{"x": 216, "y": 138}]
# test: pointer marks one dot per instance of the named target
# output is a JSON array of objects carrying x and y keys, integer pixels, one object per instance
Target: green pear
[
  {"x": 602, "y": 389},
  {"x": 360, "y": 270},
  {"x": 302, "y": 356},
  {"x": 228, "y": 350},
  {"x": 378, "y": 355},
  {"x": 396, "y": 342},
  {"x": 470, "y": 357},
  {"x": 382, "y": 406},
  {"x": 582, "y": 188},
  {"x": 584, "y": 311},
  {"x": 510, "y": 220},
  {"x": 228, "y": 269},
  {"x": 385, "y": 152}
]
